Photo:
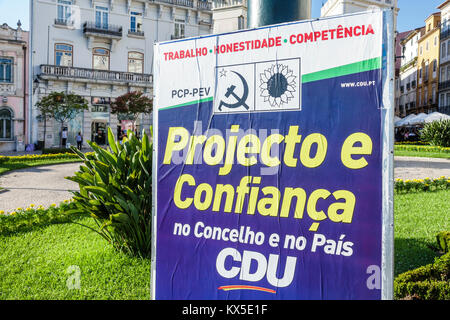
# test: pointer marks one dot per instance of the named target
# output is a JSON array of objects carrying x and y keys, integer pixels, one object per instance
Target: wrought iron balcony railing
[
  {"x": 183, "y": 3},
  {"x": 100, "y": 29}
]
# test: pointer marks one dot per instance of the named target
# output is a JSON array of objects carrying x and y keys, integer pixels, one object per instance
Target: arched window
[
  {"x": 63, "y": 54},
  {"x": 135, "y": 62},
  {"x": 100, "y": 58},
  {"x": 5, "y": 124}
]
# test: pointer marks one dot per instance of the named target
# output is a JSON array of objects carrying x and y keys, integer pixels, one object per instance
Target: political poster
[{"x": 269, "y": 161}]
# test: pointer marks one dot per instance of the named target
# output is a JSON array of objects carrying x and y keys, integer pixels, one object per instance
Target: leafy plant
[
  {"x": 116, "y": 190},
  {"x": 437, "y": 133}
]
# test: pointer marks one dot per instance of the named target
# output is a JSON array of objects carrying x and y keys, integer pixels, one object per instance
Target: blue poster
[{"x": 269, "y": 163}]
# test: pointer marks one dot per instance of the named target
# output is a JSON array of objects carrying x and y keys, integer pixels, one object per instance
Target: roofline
[
  {"x": 443, "y": 4},
  {"x": 411, "y": 34}
]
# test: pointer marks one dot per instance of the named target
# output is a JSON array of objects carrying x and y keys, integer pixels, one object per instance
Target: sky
[{"x": 412, "y": 12}]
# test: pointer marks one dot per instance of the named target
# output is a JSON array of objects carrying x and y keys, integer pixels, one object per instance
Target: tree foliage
[
  {"x": 130, "y": 105},
  {"x": 61, "y": 106}
]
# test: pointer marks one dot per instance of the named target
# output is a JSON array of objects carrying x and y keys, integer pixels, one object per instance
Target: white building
[
  {"x": 229, "y": 15},
  {"x": 444, "y": 61},
  {"x": 337, "y": 7},
  {"x": 408, "y": 74},
  {"x": 101, "y": 49}
]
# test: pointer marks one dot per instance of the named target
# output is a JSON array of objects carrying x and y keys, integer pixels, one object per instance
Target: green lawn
[
  {"x": 418, "y": 217},
  {"x": 5, "y": 167},
  {"x": 404, "y": 153},
  {"x": 35, "y": 265}
]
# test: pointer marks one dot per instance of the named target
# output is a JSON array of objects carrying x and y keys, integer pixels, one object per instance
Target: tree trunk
[{"x": 45, "y": 129}]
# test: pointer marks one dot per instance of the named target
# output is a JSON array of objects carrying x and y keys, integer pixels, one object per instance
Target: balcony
[
  {"x": 181, "y": 3},
  {"x": 444, "y": 85},
  {"x": 204, "y": 5},
  {"x": 102, "y": 30},
  {"x": 136, "y": 33},
  {"x": 218, "y": 4},
  {"x": 445, "y": 34},
  {"x": 64, "y": 22},
  {"x": 50, "y": 72}
]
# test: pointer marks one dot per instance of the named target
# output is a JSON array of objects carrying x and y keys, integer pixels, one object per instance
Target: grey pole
[{"x": 266, "y": 12}]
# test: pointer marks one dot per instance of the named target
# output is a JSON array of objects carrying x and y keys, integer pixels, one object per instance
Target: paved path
[
  {"x": 45, "y": 185},
  {"x": 42, "y": 185},
  {"x": 420, "y": 168}
]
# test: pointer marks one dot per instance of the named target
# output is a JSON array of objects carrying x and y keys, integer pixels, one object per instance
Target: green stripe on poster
[
  {"x": 188, "y": 103},
  {"x": 351, "y": 68}
]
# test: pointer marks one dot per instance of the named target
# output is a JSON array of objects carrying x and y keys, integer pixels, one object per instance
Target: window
[
  {"x": 442, "y": 100},
  {"x": 421, "y": 50},
  {"x": 5, "y": 124},
  {"x": 6, "y": 68},
  {"x": 136, "y": 22},
  {"x": 435, "y": 41},
  {"x": 100, "y": 58},
  {"x": 64, "y": 10},
  {"x": 443, "y": 51},
  {"x": 100, "y": 104},
  {"x": 241, "y": 24},
  {"x": 135, "y": 62},
  {"x": 179, "y": 29},
  {"x": 448, "y": 48},
  {"x": 434, "y": 65},
  {"x": 63, "y": 55},
  {"x": 101, "y": 17},
  {"x": 433, "y": 97}
]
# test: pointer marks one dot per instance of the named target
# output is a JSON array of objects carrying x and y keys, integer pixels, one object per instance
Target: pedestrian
[
  {"x": 64, "y": 137},
  {"x": 79, "y": 139}
]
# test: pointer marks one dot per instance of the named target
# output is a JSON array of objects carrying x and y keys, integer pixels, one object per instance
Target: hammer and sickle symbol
[{"x": 240, "y": 101}]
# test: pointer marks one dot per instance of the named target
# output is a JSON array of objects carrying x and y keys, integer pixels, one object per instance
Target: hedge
[
  {"x": 430, "y": 282},
  {"x": 443, "y": 240}
]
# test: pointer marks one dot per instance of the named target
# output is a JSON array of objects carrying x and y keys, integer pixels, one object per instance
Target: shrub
[
  {"x": 56, "y": 150},
  {"x": 23, "y": 219},
  {"x": 443, "y": 240},
  {"x": 116, "y": 190},
  {"x": 419, "y": 185},
  {"x": 430, "y": 282},
  {"x": 437, "y": 133},
  {"x": 38, "y": 157}
]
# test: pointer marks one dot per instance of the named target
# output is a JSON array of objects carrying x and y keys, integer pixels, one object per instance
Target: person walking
[
  {"x": 64, "y": 137},
  {"x": 79, "y": 139}
]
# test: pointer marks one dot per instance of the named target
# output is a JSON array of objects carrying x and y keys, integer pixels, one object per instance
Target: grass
[
  {"x": 406, "y": 153},
  {"x": 418, "y": 218},
  {"x": 36, "y": 265},
  {"x": 35, "y": 262},
  {"x": 8, "y": 166}
]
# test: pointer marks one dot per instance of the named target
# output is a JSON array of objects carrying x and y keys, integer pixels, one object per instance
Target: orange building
[{"x": 428, "y": 65}]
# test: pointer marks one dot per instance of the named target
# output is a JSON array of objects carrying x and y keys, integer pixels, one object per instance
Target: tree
[
  {"x": 130, "y": 105},
  {"x": 62, "y": 107}
]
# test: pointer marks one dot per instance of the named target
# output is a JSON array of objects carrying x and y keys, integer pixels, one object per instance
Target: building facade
[
  {"x": 444, "y": 66},
  {"x": 101, "y": 49},
  {"x": 13, "y": 88},
  {"x": 407, "y": 78},
  {"x": 229, "y": 15},
  {"x": 337, "y": 7},
  {"x": 428, "y": 65}
]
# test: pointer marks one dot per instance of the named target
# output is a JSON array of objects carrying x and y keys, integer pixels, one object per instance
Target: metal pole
[{"x": 266, "y": 12}]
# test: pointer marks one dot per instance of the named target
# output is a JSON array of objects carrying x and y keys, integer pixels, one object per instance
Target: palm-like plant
[{"x": 116, "y": 190}]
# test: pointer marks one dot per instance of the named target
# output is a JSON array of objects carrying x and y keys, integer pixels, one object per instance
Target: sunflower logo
[{"x": 277, "y": 85}]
